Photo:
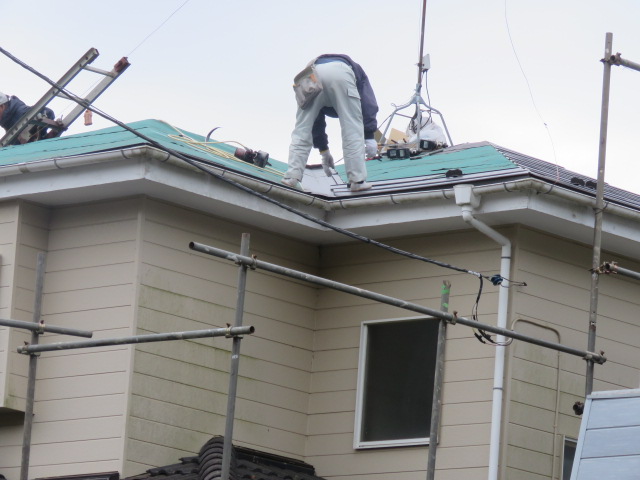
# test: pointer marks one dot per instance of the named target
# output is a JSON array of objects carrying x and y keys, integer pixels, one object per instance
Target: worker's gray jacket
[{"x": 367, "y": 100}]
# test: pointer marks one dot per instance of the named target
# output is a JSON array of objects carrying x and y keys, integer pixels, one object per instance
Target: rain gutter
[
  {"x": 265, "y": 187},
  {"x": 467, "y": 199}
]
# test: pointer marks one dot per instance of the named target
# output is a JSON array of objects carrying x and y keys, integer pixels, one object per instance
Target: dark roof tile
[{"x": 246, "y": 464}]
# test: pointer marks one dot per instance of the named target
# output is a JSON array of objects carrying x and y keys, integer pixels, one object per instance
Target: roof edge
[{"x": 146, "y": 152}]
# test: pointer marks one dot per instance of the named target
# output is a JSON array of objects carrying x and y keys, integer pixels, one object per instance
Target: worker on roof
[
  {"x": 333, "y": 85},
  {"x": 11, "y": 111}
]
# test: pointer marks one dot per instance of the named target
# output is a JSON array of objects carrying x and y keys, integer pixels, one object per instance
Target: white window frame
[
  {"x": 360, "y": 444},
  {"x": 565, "y": 439}
]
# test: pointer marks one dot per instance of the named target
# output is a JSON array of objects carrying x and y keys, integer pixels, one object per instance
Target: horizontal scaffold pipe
[
  {"x": 152, "y": 337},
  {"x": 42, "y": 328},
  {"x": 613, "y": 267},
  {"x": 396, "y": 302}
]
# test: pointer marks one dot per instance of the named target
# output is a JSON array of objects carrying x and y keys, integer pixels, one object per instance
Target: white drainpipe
[{"x": 468, "y": 201}]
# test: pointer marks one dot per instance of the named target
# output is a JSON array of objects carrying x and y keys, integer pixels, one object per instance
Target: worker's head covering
[{"x": 3, "y": 98}]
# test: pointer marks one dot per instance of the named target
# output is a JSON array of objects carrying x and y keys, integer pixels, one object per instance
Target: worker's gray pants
[{"x": 340, "y": 92}]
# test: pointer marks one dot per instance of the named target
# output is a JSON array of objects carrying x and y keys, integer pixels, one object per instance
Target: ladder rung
[{"x": 100, "y": 71}]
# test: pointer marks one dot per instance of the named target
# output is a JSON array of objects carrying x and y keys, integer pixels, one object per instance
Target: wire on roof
[
  {"x": 199, "y": 165},
  {"x": 535, "y": 106},
  {"x": 208, "y": 147}
]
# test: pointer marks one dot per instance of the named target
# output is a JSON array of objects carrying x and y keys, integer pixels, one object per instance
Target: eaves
[{"x": 508, "y": 197}]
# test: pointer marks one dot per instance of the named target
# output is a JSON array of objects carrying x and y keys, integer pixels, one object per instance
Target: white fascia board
[
  {"x": 116, "y": 176},
  {"x": 547, "y": 212},
  {"x": 148, "y": 171}
]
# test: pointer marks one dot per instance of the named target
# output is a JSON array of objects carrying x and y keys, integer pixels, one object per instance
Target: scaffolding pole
[
  {"x": 608, "y": 60},
  {"x": 429, "y": 312},
  {"x": 618, "y": 61},
  {"x": 227, "y": 447},
  {"x": 597, "y": 227},
  {"x": 37, "y": 328},
  {"x": 41, "y": 327},
  {"x": 148, "y": 338},
  {"x": 438, "y": 380},
  {"x": 33, "y": 365},
  {"x": 613, "y": 268}
]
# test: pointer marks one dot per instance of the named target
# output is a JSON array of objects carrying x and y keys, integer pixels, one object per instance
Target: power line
[
  {"x": 533, "y": 101},
  {"x": 159, "y": 27}
]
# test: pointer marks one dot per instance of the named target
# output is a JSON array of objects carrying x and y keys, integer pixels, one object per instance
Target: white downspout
[{"x": 468, "y": 201}]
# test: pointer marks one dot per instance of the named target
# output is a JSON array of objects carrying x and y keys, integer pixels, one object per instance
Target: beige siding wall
[
  {"x": 23, "y": 232},
  {"x": 9, "y": 213},
  {"x": 80, "y": 394},
  {"x": 463, "y": 449},
  {"x": 124, "y": 267},
  {"x": 555, "y": 306},
  {"x": 179, "y": 388}
]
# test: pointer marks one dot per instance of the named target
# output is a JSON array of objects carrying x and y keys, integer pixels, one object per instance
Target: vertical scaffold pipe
[
  {"x": 438, "y": 380},
  {"x": 597, "y": 228}
]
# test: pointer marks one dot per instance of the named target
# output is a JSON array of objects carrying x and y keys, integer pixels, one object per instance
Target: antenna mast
[
  {"x": 421, "y": 57},
  {"x": 417, "y": 99}
]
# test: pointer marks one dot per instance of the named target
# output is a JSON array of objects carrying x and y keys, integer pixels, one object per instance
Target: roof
[
  {"x": 609, "y": 441},
  {"x": 473, "y": 163},
  {"x": 246, "y": 464}
]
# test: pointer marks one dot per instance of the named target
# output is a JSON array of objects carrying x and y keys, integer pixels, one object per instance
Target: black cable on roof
[{"x": 244, "y": 188}]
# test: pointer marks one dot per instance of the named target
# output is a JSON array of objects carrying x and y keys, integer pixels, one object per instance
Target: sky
[{"x": 523, "y": 74}]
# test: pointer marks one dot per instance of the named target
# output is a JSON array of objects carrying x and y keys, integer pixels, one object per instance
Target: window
[
  {"x": 395, "y": 382},
  {"x": 568, "y": 454}
]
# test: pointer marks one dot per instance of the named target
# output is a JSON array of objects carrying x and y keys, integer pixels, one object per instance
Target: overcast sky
[{"x": 200, "y": 64}]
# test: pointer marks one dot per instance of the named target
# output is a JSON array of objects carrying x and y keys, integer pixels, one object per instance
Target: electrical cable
[
  {"x": 207, "y": 148},
  {"x": 533, "y": 101},
  {"x": 158, "y": 28},
  {"x": 68, "y": 108},
  {"x": 199, "y": 165},
  {"x": 481, "y": 335}
]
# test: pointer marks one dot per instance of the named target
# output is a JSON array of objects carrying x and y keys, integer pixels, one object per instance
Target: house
[
  {"x": 115, "y": 214},
  {"x": 608, "y": 445}
]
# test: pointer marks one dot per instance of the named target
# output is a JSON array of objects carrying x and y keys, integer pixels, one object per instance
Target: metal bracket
[
  {"x": 600, "y": 360},
  {"x": 231, "y": 335},
  {"x": 608, "y": 268}
]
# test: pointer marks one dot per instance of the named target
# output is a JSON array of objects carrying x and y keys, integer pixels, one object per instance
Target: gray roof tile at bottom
[{"x": 246, "y": 464}]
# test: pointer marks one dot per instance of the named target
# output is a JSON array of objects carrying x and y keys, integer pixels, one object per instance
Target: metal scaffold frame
[
  {"x": 451, "y": 318},
  {"x": 443, "y": 316},
  {"x": 38, "y": 327},
  {"x": 608, "y": 61},
  {"x": 245, "y": 262}
]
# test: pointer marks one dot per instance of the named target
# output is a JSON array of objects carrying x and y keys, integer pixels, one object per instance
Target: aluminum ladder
[{"x": 28, "y": 128}]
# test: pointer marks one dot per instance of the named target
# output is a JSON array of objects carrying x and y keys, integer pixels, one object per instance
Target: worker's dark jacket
[
  {"x": 16, "y": 108},
  {"x": 367, "y": 100}
]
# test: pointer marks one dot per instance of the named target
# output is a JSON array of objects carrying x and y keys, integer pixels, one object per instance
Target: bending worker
[
  {"x": 346, "y": 94},
  {"x": 11, "y": 111}
]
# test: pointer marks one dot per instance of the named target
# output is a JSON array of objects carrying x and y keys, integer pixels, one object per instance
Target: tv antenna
[{"x": 416, "y": 100}]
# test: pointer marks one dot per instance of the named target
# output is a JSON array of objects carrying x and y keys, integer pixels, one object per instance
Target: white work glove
[
  {"x": 327, "y": 162},
  {"x": 370, "y": 148}
]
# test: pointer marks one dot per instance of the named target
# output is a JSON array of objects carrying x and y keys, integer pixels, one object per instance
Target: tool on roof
[
  {"x": 258, "y": 158},
  {"x": 26, "y": 128}
]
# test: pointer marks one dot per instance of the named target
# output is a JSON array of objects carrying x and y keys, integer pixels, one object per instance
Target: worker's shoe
[
  {"x": 293, "y": 183},
  {"x": 360, "y": 186}
]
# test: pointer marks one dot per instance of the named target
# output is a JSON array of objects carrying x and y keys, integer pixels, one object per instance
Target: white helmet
[{"x": 3, "y": 98}]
